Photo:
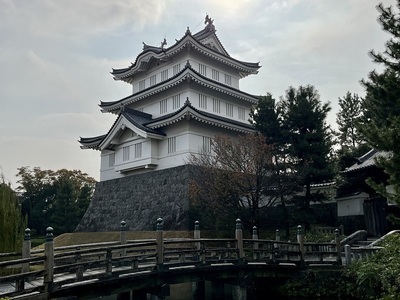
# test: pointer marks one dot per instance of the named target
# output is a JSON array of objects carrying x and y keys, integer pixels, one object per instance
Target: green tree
[
  {"x": 268, "y": 119},
  {"x": 12, "y": 223},
  {"x": 310, "y": 138},
  {"x": 54, "y": 198},
  {"x": 350, "y": 140},
  {"x": 381, "y": 121}
]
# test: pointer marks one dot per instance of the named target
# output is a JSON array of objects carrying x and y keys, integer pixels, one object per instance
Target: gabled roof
[
  {"x": 205, "y": 41},
  {"x": 190, "y": 112},
  {"x": 128, "y": 118},
  {"x": 187, "y": 73},
  {"x": 367, "y": 160},
  {"x": 145, "y": 126}
]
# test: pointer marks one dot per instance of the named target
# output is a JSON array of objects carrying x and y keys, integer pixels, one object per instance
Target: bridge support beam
[{"x": 199, "y": 290}]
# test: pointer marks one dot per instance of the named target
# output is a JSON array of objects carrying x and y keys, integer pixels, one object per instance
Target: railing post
[
  {"x": 26, "y": 253},
  {"x": 26, "y": 249},
  {"x": 159, "y": 242},
  {"x": 196, "y": 234},
  {"x": 122, "y": 237},
  {"x": 277, "y": 235},
  {"x": 338, "y": 248},
  {"x": 108, "y": 261},
  {"x": 49, "y": 260},
  {"x": 300, "y": 240},
  {"x": 255, "y": 244},
  {"x": 347, "y": 255},
  {"x": 239, "y": 239}
]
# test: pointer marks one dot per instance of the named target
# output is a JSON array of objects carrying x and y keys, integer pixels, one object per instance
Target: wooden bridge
[{"x": 136, "y": 268}]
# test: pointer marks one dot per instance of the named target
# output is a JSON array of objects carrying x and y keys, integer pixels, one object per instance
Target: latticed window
[
  {"x": 215, "y": 75},
  {"x": 216, "y": 105},
  {"x": 241, "y": 113},
  {"x": 206, "y": 144},
  {"x": 176, "y": 101},
  {"x": 164, "y": 75},
  {"x": 111, "y": 159},
  {"x": 202, "y": 101},
  {"x": 171, "y": 144},
  {"x": 176, "y": 69},
  {"x": 138, "y": 150},
  {"x": 203, "y": 69},
  {"x": 163, "y": 106},
  {"x": 152, "y": 80},
  {"x": 142, "y": 85},
  {"x": 229, "y": 110},
  {"x": 126, "y": 153},
  {"x": 228, "y": 79}
]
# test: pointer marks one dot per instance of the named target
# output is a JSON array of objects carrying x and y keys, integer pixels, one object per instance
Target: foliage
[
  {"x": 12, "y": 223},
  {"x": 386, "y": 264},
  {"x": 381, "y": 121},
  {"x": 317, "y": 285},
  {"x": 235, "y": 177},
  {"x": 296, "y": 126},
  {"x": 54, "y": 198}
]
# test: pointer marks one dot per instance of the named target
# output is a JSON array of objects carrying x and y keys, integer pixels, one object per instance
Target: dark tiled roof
[
  {"x": 202, "y": 113},
  {"x": 138, "y": 119},
  {"x": 196, "y": 37},
  {"x": 105, "y": 104},
  {"x": 366, "y": 161}
]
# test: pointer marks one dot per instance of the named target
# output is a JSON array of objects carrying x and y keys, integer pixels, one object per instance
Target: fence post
[
  {"x": 347, "y": 255},
  {"x": 26, "y": 253},
  {"x": 256, "y": 254},
  {"x": 122, "y": 237},
  {"x": 49, "y": 260},
  {"x": 338, "y": 248},
  {"x": 196, "y": 234},
  {"x": 300, "y": 240},
  {"x": 159, "y": 242},
  {"x": 277, "y": 235},
  {"x": 239, "y": 239},
  {"x": 26, "y": 249}
]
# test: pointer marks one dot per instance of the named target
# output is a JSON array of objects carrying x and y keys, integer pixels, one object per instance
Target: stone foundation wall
[{"x": 139, "y": 200}]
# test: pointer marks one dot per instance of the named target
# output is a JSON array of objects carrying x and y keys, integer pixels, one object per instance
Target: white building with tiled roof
[{"x": 182, "y": 96}]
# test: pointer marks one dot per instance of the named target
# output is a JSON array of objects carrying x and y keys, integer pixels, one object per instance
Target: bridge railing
[{"x": 52, "y": 268}]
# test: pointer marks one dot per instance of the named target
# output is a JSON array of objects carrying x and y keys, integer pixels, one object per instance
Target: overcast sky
[{"x": 56, "y": 57}]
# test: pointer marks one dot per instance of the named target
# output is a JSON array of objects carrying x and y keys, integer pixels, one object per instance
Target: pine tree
[
  {"x": 381, "y": 122},
  {"x": 309, "y": 136}
]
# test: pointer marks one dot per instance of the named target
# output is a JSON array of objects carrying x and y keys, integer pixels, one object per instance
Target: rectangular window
[
  {"x": 126, "y": 153},
  {"x": 152, "y": 80},
  {"x": 215, "y": 75},
  {"x": 138, "y": 150},
  {"x": 111, "y": 159},
  {"x": 216, "y": 106},
  {"x": 176, "y": 101},
  {"x": 206, "y": 144},
  {"x": 229, "y": 110},
  {"x": 228, "y": 79},
  {"x": 163, "y": 106},
  {"x": 142, "y": 85},
  {"x": 164, "y": 75},
  {"x": 176, "y": 69},
  {"x": 241, "y": 113},
  {"x": 172, "y": 145},
  {"x": 203, "y": 69},
  {"x": 202, "y": 101}
]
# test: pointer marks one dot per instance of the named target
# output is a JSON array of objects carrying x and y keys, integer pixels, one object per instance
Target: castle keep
[{"x": 182, "y": 96}]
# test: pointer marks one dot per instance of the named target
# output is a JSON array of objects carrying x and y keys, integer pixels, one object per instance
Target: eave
[
  {"x": 185, "y": 75},
  {"x": 188, "y": 42},
  {"x": 189, "y": 112}
]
